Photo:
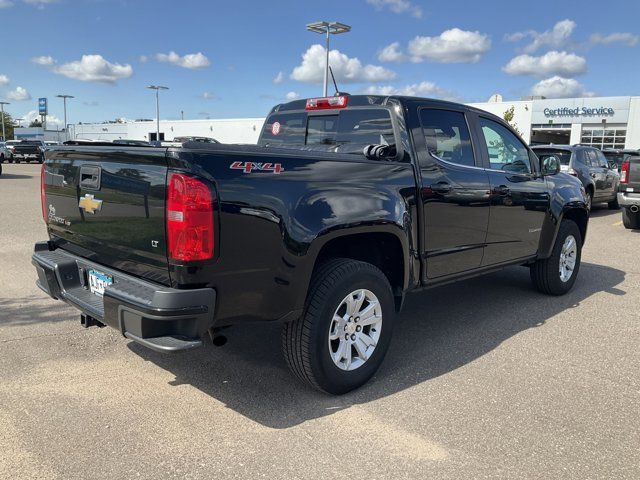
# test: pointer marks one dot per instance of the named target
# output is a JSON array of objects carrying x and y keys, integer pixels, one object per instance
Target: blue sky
[{"x": 237, "y": 59}]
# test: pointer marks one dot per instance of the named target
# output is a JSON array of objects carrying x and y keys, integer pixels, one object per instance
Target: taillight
[
  {"x": 189, "y": 218},
  {"x": 326, "y": 102},
  {"x": 624, "y": 171},
  {"x": 43, "y": 196}
]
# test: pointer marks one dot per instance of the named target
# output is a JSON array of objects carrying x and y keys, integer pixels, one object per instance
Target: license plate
[{"x": 98, "y": 281}]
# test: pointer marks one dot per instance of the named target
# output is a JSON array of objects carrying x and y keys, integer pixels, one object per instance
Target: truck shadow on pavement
[{"x": 438, "y": 331}]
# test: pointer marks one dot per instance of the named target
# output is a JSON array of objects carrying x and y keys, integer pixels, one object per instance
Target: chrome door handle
[{"x": 441, "y": 187}]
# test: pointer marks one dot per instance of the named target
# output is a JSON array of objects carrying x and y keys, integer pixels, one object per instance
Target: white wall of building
[
  {"x": 239, "y": 130},
  {"x": 633, "y": 125},
  {"x": 521, "y": 110}
]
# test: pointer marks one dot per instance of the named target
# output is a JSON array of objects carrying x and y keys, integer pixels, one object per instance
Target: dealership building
[{"x": 604, "y": 122}]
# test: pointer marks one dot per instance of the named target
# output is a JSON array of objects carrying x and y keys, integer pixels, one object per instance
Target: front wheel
[
  {"x": 344, "y": 333},
  {"x": 557, "y": 274}
]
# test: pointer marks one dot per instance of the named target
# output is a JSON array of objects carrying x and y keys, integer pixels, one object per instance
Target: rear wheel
[
  {"x": 630, "y": 219},
  {"x": 342, "y": 337},
  {"x": 589, "y": 199},
  {"x": 613, "y": 204},
  {"x": 557, "y": 274}
]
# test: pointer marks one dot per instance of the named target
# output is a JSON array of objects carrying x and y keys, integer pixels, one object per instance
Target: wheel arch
[
  {"x": 577, "y": 213},
  {"x": 385, "y": 247}
]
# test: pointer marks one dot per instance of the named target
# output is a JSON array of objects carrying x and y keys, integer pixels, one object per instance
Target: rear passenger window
[
  {"x": 505, "y": 151},
  {"x": 447, "y": 136},
  {"x": 284, "y": 129}
]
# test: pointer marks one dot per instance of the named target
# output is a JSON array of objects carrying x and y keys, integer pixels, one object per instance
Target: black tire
[
  {"x": 630, "y": 220},
  {"x": 545, "y": 274},
  {"x": 305, "y": 342},
  {"x": 613, "y": 204},
  {"x": 590, "y": 200}
]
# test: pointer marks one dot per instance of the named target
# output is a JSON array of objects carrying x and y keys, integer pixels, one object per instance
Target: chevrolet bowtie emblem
[{"x": 89, "y": 204}]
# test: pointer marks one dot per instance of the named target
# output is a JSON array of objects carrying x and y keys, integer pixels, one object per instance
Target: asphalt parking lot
[{"x": 484, "y": 379}]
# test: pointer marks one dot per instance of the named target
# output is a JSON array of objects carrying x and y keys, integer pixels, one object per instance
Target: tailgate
[
  {"x": 634, "y": 175},
  {"x": 107, "y": 204}
]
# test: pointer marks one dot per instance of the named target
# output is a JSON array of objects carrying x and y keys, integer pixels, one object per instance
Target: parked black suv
[{"x": 590, "y": 166}]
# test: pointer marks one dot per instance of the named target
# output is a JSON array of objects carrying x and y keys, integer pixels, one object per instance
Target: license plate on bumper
[{"x": 98, "y": 281}]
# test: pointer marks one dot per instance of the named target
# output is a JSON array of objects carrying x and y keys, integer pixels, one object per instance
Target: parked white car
[{"x": 5, "y": 153}]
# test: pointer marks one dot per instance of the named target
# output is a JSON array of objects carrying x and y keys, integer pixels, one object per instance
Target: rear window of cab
[{"x": 346, "y": 131}]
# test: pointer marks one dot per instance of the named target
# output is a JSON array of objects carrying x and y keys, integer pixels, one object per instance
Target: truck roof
[
  {"x": 372, "y": 100},
  {"x": 383, "y": 100}
]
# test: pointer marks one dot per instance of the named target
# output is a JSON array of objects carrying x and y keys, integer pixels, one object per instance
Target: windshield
[
  {"x": 563, "y": 155},
  {"x": 346, "y": 131},
  {"x": 33, "y": 143}
]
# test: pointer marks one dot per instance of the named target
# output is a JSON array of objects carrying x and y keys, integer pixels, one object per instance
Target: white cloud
[
  {"x": 45, "y": 60},
  {"x": 94, "y": 68},
  {"x": 6, "y": 3},
  {"x": 345, "y": 69},
  {"x": 422, "y": 89},
  {"x": 293, "y": 96},
  {"x": 19, "y": 94},
  {"x": 397, "y": 6},
  {"x": 4, "y": 80},
  {"x": 558, "y": 37},
  {"x": 209, "y": 96},
  {"x": 192, "y": 61},
  {"x": 392, "y": 53},
  {"x": 143, "y": 58},
  {"x": 559, "y": 87},
  {"x": 32, "y": 115},
  {"x": 451, "y": 46},
  {"x": 628, "y": 39},
  {"x": 551, "y": 63},
  {"x": 279, "y": 78}
]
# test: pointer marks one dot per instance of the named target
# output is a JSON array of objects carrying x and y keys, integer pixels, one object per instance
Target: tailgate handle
[{"x": 90, "y": 177}]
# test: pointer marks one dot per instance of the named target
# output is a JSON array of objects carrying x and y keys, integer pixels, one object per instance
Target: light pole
[
  {"x": 328, "y": 29},
  {"x": 66, "y": 129},
  {"x": 157, "y": 88},
  {"x": 18, "y": 121},
  {"x": 2, "y": 104}
]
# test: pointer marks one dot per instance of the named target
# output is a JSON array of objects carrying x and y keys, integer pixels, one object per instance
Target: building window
[{"x": 609, "y": 137}]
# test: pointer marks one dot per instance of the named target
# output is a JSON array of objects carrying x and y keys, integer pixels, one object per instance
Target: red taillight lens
[
  {"x": 43, "y": 195},
  {"x": 189, "y": 218},
  {"x": 624, "y": 171},
  {"x": 326, "y": 102}
]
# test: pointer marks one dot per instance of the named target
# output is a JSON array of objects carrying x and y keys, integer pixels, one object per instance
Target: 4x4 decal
[{"x": 248, "y": 167}]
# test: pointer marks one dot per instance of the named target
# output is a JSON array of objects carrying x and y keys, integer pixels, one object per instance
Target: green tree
[
  {"x": 8, "y": 126},
  {"x": 508, "y": 116},
  {"x": 35, "y": 123}
]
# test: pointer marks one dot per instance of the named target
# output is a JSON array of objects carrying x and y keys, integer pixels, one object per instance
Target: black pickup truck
[
  {"x": 346, "y": 204},
  {"x": 28, "y": 150},
  {"x": 629, "y": 192}
]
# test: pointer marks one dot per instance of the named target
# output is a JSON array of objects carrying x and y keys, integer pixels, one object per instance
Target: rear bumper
[
  {"x": 627, "y": 199},
  {"x": 161, "y": 318}
]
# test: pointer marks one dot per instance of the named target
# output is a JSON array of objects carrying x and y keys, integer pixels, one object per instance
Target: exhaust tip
[{"x": 634, "y": 208}]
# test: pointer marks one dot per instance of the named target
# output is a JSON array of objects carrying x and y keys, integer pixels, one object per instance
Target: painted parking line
[{"x": 617, "y": 223}]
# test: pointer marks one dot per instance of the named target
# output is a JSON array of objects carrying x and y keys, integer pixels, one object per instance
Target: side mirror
[{"x": 550, "y": 165}]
